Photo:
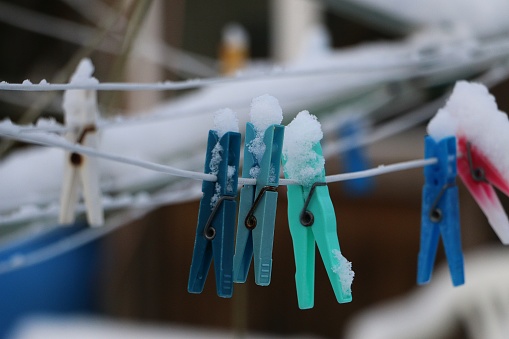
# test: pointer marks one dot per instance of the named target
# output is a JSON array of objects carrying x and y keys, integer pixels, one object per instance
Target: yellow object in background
[{"x": 234, "y": 49}]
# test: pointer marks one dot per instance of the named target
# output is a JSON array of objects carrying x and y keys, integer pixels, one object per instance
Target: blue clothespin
[
  {"x": 440, "y": 212},
  {"x": 355, "y": 159},
  {"x": 216, "y": 219},
  {"x": 257, "y": 211}
]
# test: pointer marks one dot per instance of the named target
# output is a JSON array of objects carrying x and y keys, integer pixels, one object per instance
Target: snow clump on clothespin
[
  {"x": 79, "y": 103},
  {"x": 472, "y": 113},
  {"x": 265, "y": 111},
  {"x": 302, "y": 163},
  {"x": 225, "y": 120},
  {"x": 344, "y": 270}
]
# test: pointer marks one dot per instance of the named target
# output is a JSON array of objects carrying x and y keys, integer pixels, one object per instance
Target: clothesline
[
  {"x": 45, "y": 139},
  {"x": 411, "y": 69}
]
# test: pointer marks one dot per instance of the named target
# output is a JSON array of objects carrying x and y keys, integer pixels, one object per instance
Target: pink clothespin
[
  {"x": 482, "y": 133},
  {"x": 81, "y": 113}
]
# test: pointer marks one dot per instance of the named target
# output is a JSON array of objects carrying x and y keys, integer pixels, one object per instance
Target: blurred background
[{"x": 381, "y": 67}]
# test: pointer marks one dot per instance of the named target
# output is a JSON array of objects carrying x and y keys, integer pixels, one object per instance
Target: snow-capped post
[
  {"x": 81, "y": 114},
  {"x": 311, "y": 215}
]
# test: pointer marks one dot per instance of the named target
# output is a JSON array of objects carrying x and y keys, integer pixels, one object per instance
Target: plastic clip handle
[
  {"x": 479, "y": 174},
  {"x": 312, "y": 220},
  {"x": 216, "y": 224},
  {"x": 440, "y": 212},
  {"x": 258, "y": 203}
]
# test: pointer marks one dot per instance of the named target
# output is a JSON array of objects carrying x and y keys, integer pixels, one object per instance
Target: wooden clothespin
[{"x": 81, "y": 113}]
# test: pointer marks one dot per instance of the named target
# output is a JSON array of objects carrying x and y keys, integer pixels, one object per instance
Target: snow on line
[
  {"x": 110, "y": 203},
  {"x": 416, "y": 67}
]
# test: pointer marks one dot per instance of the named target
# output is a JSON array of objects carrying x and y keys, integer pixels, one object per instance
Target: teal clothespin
[
  {"x": 216, "y": 218},
  {"x": 312, "y": 219},
  {"x": 257, "y": 210}
]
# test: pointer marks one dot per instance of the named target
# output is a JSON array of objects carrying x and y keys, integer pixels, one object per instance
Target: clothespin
[
  {"x": 311, "y": 215},
  {"x": 440, "y": 212},
  {"x": 355, "y": 159},
  {"x": 81, "y": 113},
  {"x": 482, "y": 133},
  {"x": 216, "y": 220},
  {"x": 257, "y": 211},
  {"x": 480, "y": 175}
]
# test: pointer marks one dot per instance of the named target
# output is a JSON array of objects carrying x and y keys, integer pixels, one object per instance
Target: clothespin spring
[
  {"x": 76, "y": 158},
  {"x": 210, "y": 232},
  {"x": 477, "y": 173},
  {"x": 435, "y": 214},
  {"x": 250, "y": 220},
  {"x": 306, "y": 217}
]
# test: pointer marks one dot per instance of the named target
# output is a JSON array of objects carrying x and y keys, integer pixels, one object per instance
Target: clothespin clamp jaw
[
  {"x": 312, "y": 219},
  {"x": 440, "y": 212},
  {"x": 257, "y": 211},
  {"x": 216, "y": 218},
  {"x": 480, "y": 175}
]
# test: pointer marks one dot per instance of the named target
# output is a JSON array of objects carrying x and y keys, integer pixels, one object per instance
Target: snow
[
  {"x": 80, "y": 106},
  {"x": 225, "y": 120},
  {"x": 484, "y": 17},
  {"x": 232, "y": 171},
  {"x": 472, "y": 112},
  {"x": 344, "y": 270},
  {"x": 214, "y": 168},
  {"x": 215, "y": 159},
  {"x": 47, "y": 123},
  {"x": 265, "y": 111},
  {"x": 301, "y": 162},
  {"x": 176, "y": 131},
  {"x": 83, "y": 73}
]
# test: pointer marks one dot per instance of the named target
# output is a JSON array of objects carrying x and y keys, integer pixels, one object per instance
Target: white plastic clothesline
[{"x": 10, "y": 131}]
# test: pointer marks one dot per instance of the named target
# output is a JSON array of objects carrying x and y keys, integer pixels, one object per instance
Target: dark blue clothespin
[
  {"x": 216, "y": 219},
  {"x": 257, "y": 211},
  {"x": 440, "y": 212},
  {"x": 355, "y": 159}
]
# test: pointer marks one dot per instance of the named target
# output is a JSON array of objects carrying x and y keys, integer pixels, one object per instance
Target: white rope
[
  {"x": 9, "y": 131},
  {"x": 382, "y": 169}
]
